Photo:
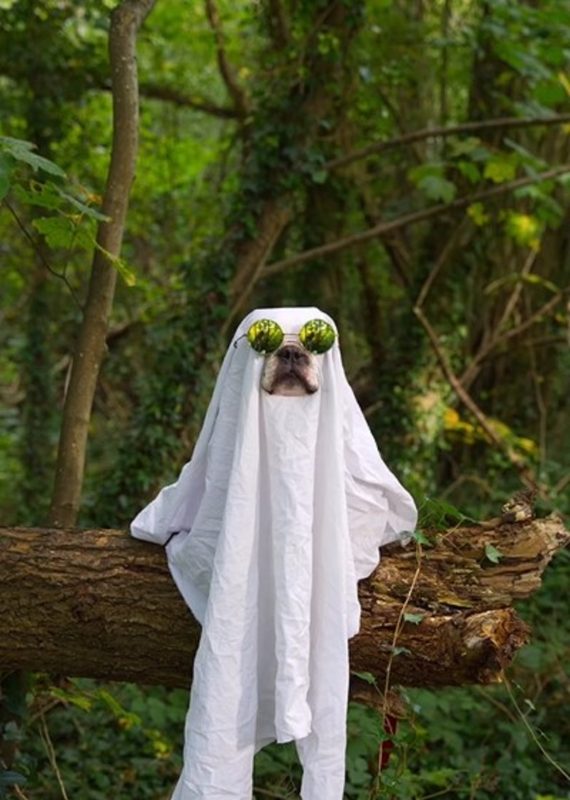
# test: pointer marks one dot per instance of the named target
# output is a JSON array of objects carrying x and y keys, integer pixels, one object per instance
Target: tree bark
[
  {"x": 97, "y": 603},
  {"x": 89, "y": 350}
]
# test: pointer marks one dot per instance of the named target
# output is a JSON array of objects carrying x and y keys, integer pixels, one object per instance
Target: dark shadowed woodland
[{"x": 165, "y": 167}]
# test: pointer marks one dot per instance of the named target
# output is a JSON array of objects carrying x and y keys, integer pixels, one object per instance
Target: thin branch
[
  {"x": 541, "y": 405},
  {"x": 488, "y": 697},
  {"x": 410, "y": 219},
  {"x": 490, "y": 341},
  {"x": 38, "y": 251},
  {"x": 562, "y": 483},
  {"x": 468, "y": 376},
  {"x": 442, "y": 131},
  {"x": 397, "y": 631},
  {"x": 532, "y": 732},
  {"x": 516, "y": 293},
  {"x": 442, "y": 260},
  {"x": 192, "y": 101},
  {"x": 394, "y": 246},
  {"x": 253, "y": 254},
  {"x": 238, "y": 95},
  {"x": 48, "y": 744},
  {"x": 459, "y": 481},
  {"x": 278, "y": 24},
  {"x": 169, "y": 94},
  {"x": 526, "y": 474},
  {"x": 540, "y": 341}
]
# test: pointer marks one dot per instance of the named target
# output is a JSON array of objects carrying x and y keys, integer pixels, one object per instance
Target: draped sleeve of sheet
[
  {"x": 379, "y": 509},
  {"x": 175, "y": 506}
]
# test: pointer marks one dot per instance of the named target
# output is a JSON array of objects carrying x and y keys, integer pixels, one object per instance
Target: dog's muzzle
[{"x": 290, "y": 370}]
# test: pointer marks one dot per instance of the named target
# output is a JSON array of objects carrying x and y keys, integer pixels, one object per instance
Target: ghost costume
[{"x": 268, "y": 529}]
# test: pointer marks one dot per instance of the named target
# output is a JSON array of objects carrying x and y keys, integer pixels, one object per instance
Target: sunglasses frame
[{"x": 284, "y": 334}]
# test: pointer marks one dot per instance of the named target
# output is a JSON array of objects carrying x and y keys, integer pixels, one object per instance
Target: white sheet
[{"x": 279, "y": 513}]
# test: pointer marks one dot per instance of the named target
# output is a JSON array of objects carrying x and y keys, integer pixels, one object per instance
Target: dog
[{"x": 291, "y": 370}]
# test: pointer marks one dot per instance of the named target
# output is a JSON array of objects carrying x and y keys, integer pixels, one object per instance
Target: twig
[
  {"x": 467, "y": 377},
  {"x": 38, "y": 251},
  {"x": 532, "y": 732},
  {"x": 442, "y": 131},
  {"x": 516, "y": 293},
  {"x": 46, "y": 739},
  {"x": 397, "y": 631},
  {"x": 540, "y": 404},
  {"x": 490, "y": 342},
  {"x": 441, "y": 792},
  {"x": 409, "y": 219},
  {"x": 459, "y": 481},
  {"x": 278, "y": 24},
  {"x": 486, "y": 695},
  {"x": 443, "y": 258},
  {"x": 181, "y": 99},
  {"x": 239, "y": 97},
  {"x": 526, "y": 474},
  {"x": 192, "y": 101},
  {"x": 562, "y": 483}
]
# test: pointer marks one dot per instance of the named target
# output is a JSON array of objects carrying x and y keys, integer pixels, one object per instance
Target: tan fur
[{"x": 291, "y": 370}]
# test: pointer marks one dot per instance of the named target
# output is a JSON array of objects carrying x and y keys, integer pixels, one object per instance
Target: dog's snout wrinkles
[
  {"x": 290, "y": 371},
  {"x": 291, "y": 355}
]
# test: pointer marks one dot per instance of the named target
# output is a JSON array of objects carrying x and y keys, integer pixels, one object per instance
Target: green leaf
[
  {"x": 114, "y": 706},
  {"x": 16, "y": 144},
  {"x": 64, "y": 232},
  {"x": 6, "y": 167},
  {"x": 415, "y": 619},
  {"x": 80, "y": 700},
  {"x": 463, "y": 147},
  {"x": 438, "y": 188},
  {"x": 501, "y": 168},
  {"x": 11, "y": 778},
  {"x": 319, "y": 176},
  {"x": 524, "y": 155},
  {"x": 120, "y": 265},
  {"x": 470, "y": 171},
  {"x": 367, "y": 677},
  {"x": 525, "y": 229},
  {"x": 49, "y": 195},
  {"x": 492, "y": 554},
  {"x": 89, "y": 211},
  {"x": 477, "y": 213},
  {"x": 421, "y": 538},
  {"x": 41, "y": 195},
  {"x": 401, "y": 651},
  {"x": 430, "y": 179},
  {"x": 438, "y": 513},
  {"x": 22, "y": 151}
]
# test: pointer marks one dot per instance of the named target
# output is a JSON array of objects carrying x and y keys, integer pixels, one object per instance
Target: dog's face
[{"x": 290, "y": 370}]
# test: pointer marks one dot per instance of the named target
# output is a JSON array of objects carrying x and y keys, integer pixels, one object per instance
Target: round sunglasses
[{"x": 266, "y": 336}]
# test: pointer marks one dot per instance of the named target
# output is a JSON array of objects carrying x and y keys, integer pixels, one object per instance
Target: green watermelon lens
[
  {"x": 317, "y": 336},
  {"x": 265, "y": 336}
]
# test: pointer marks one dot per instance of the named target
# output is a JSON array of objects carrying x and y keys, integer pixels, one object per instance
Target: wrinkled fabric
[{"x": 269, "y": 527}]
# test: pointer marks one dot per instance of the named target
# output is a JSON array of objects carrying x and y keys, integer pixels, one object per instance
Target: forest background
[{"x": 454, "y": 317}]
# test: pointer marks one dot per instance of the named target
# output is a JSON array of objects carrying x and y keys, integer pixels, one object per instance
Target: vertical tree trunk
[{"x": 126, "y": 20}]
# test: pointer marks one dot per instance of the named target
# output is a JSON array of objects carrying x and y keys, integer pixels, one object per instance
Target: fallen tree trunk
[{"x": 97, "y": 603}]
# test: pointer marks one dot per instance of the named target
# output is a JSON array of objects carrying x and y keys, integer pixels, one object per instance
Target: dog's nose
[{"x": 291, "y": 355}]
